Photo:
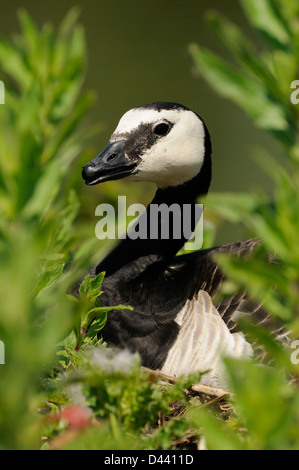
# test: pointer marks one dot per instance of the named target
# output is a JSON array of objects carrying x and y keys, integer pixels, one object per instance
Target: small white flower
[{"x": 113, "y": 360}]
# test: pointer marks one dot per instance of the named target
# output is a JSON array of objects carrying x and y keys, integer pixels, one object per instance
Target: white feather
[{"x": 203, "y": 341}]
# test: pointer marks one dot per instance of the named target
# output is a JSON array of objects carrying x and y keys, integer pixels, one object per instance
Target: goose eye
[{"x": 161, "y": 129}]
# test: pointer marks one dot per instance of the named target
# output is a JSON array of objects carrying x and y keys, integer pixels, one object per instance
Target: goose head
[{"x": 163, "y": 143}]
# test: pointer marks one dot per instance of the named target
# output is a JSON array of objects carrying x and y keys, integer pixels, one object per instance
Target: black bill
[{"x": 111, "y": 164}]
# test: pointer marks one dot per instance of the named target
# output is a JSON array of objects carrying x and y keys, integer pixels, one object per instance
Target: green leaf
[
  {"x": 266, "y": 403},
  {"x": 49, "y": 278},
  {"x": 95, "y": 328},
  {"x": 276, "y": 350},
  {"x": 13, "y": 63},
  {"x": 45, "y": 191},
  {"x": 242, "y": 50},
  {"x": 218, "y": 436},
  {"x": 72, "y": 298},
  {"x": 245, "y": 91},
  {"x": 267, "y": 17},
  {"x": 90, "y": 287},
  {"x": 101, "y": 313},
  {"x": 235, "y": 207},
  {"x": 260, "y": 279},
  {"x": 69, "y": 22},
  {"x": 31, "y": 35}
]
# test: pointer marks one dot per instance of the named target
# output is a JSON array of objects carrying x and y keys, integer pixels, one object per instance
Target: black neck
[{"x": 129, "y": 250}]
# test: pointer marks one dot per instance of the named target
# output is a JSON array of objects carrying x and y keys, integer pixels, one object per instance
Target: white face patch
[{"x": 172, "y": 159}]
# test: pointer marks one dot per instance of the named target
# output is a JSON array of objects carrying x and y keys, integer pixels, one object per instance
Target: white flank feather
[{"x": 202, "y": 342}]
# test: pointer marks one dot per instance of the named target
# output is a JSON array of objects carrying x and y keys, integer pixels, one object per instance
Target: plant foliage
[
  {"x": 41, "y": 135},
  {"x": 259, "y": 80}
]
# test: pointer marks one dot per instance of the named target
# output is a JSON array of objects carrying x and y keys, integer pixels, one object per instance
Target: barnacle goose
[{"x": 176, "y": 326}]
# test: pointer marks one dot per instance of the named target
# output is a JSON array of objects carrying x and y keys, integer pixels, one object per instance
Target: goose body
[{"x": 176, "y": 326}]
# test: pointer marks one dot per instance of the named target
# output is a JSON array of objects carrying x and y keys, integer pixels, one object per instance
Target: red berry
[{"x": 76, "y": 416}]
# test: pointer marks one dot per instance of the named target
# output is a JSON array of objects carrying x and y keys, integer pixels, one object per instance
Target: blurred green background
[{"x": 138, "y": 53}]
